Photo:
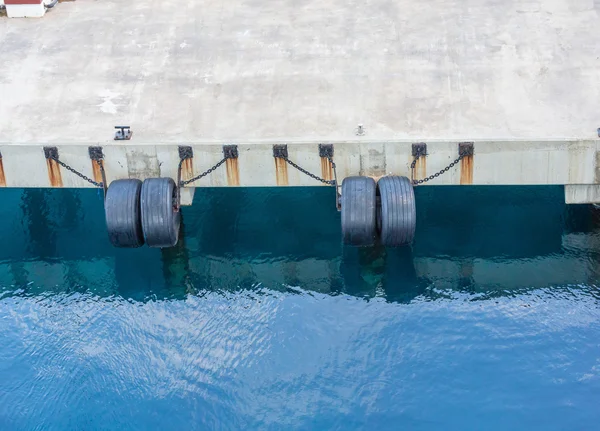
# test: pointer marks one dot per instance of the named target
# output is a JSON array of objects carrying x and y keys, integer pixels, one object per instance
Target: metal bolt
[
  {"x": 185, "y": 152},
  {"x": 230, "y": 151},
  {"x": 419, "y": 149},
  {"x": 280, "y": 151},
  {"x": 51, "y": 152},
  {"x": 325, "y": 150},
  {"x": 95, "y": 153}
]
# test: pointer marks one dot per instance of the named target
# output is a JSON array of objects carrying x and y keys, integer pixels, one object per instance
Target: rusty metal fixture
[
  {"x": 419, "y": 152},
  {"x": 280, "y": 151},
  {"x": 54, "y": 175},
  {"x": 186, "y": 153},
  {"x": 326, "y": 150},
  {"x": 419, "y": 149},
  {"x": 231, "y": 165},
  {"x": 123, "y": 133},
  {"x": 230, "y": 151},
  {"x": 51, "y": 154},
  {"x": 465, "y": 149},
  {"x": 97, "y": 157}
]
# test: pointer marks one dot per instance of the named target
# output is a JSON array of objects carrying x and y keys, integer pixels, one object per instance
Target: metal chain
[
  {"x": 437, "y": 174},
  {"x": 304, "y": 171},
  {"x": 203, "y": 174},
  {"x": 79, "y": 174}
]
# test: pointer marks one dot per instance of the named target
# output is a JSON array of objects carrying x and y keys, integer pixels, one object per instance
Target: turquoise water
[{"x": 260, "y": 319}]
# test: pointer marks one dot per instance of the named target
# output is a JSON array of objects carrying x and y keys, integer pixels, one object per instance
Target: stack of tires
[
  {"x": 381, "y": 211},
  {"x": 138, "y": 213}
]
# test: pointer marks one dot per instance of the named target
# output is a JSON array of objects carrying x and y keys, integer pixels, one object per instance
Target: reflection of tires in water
[
  {"x": 379, "y": 271},
  {"x": 362, "y": 270},
  {"x": 400, "y": 280}
]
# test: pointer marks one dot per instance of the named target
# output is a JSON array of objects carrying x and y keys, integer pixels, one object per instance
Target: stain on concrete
[
  {"x": 141, "y": 165},
  {"x": 466, "y": 170},
  {"x": 326, "y": 169},
  {"x": 54, "y": 174},
  {"x": 233, "y": 172},
  {"x": 187, "y": 169},
  {"x": 372, "y": 162},
  {"x": 2, "y": 177},
  {"x": 97, "y": 166},
  {"x": 281, "y": 171},
  {"x": 421, "y": 168}
]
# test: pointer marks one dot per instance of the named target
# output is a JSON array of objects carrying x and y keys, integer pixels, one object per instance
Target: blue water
[{"x": 260, "y": 319}]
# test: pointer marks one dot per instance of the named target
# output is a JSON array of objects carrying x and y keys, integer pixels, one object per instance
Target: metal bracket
[
  {"x": 230, "y": 151},
  {"x": 51, "y": 152},
  {"x": 123, "y": 133},
  {"x": 185, "y": 152},
  {"x": 360, "y": 130},
  {"x": 280, "y": 151},
  {"x": 96, "y": 153},
  {"x": 466, "y": 148},
  {"x": 419, "y": 149},
  {"x": 326, "y": 150}
]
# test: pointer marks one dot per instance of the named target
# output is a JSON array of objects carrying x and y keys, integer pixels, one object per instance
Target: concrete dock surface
[{"x": 301, "y": 70}]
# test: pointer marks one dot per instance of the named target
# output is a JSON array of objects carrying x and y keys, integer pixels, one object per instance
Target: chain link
[
  {"x": 79, "y": 174},
  {"x": 437, "y": 174},
  {"x": 202, "y": 175},
  {"x": 313, "y": 176}
]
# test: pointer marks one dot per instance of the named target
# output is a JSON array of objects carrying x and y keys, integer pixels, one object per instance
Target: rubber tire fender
[
  {"x": 122, "y": 212},
  {"x": 160, "y": 219},
  {"x": 398, "y": 217},
  {"x": 359, "y": 206}
]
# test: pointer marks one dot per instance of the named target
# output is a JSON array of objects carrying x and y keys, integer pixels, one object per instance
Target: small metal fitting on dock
[
  {"x": 123, "y": 133},
  {"x": 185, "y": 152},
  {"x": 326, "y": 150},
  {"x": 466, "y": 149},
  {"x": 230, "y": 151},
  {"x": 419, "y": 149},
  {"x": 280, "y": 151},
  {"x": 96, "y": 153}
]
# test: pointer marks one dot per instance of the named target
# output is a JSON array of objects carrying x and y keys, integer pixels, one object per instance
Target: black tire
[
  {"x": 398, "y": 211},
  {"x": 122, "y": 211},
  {"x": 160, "y": 219},
  {"x": 359, "y": 206}
]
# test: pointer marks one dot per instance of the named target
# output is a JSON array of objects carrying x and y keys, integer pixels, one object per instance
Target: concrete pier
[{"x": 519, "y": 79}]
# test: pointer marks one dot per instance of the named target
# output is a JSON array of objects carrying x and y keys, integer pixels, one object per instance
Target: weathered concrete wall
[{"x": 493, "y": 163}]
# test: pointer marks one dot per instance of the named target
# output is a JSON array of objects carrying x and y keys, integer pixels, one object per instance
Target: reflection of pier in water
[{"x": 238, "y": 239}]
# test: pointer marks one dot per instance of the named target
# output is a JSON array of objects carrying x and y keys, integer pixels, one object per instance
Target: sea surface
[{"x": 261, "y": 319}]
